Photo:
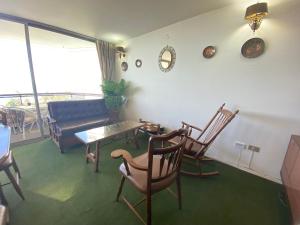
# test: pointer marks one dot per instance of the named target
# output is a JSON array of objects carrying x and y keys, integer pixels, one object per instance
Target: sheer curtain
[{"x": 106, "y": 53}]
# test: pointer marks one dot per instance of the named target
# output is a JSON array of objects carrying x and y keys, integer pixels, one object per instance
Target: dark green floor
[{"x": 62, "y": 189}]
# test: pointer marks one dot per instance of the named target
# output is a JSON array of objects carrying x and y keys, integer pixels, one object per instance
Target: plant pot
[
  {"x": 114, "y": 116},
  {"x": 113, "y": 102}
]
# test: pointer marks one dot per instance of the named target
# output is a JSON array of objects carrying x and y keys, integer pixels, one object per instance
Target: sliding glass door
[
  {"x": 63, "y": 68},
  {"x": 16, "y": 95}
]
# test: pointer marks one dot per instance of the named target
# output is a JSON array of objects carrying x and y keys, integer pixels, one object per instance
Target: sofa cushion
[
  {"x": 63, "y": 111},
  {"x": 71, "y": 127}
]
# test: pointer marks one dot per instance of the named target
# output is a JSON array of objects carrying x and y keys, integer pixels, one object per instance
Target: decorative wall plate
[
  {"x": 253, "y": 48},
  {"x": 124, "y": 66},
  {"x": 209, "y": 52},
  {"x": 138, "y": 63}
]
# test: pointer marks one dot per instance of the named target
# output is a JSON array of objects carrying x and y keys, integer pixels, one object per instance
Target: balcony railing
[{"x": 22, "y": 116}]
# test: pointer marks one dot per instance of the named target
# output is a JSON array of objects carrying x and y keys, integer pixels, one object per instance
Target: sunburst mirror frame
[{"x": 173, "y": 58}]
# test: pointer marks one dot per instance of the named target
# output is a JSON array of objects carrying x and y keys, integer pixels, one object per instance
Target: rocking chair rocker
[{"x": 196, "y": 148}]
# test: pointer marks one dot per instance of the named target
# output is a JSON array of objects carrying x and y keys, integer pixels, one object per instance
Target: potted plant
[{"x": 114, "y": 95}]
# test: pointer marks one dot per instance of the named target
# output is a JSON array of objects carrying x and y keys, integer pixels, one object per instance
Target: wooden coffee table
[{"x": 100, "y": 134}]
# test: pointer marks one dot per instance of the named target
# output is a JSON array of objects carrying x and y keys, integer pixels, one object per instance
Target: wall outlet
[
  {"x": 253, "y": 148},
  {"x": 240, "y": 145}
]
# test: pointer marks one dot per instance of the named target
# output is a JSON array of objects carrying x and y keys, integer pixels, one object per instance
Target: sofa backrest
[{"x": 77, "y": 109}]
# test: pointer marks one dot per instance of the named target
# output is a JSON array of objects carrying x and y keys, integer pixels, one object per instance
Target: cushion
[
  {"x": 77, "y": 109},
  {"x": 139, "y": 178},
  {"x": 71, "y": 127}
]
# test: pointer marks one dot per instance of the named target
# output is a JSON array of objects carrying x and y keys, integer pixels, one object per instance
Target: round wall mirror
[{"x": 166, "y": 59}]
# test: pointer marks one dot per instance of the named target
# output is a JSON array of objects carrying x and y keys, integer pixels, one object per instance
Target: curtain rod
[{"x": 44, "y": 26}]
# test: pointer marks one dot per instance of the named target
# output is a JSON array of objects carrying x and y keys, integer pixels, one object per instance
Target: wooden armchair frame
[
  {"x": 162, "y": 166},
  {"x": 197, "y": 145}
]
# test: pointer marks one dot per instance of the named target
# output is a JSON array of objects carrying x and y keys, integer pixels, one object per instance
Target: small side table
[{"x": 151, "y": 128}]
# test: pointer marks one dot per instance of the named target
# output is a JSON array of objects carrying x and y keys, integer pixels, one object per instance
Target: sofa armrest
[
  {"x": 53, "y": 128},
  {"x": 50, "y": 120}
]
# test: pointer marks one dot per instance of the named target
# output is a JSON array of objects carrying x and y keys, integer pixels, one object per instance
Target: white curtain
[{"x": 106, "y": 54}]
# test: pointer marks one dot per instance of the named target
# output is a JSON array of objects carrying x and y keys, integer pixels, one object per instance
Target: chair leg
[
  {"x": 120, "y": 188},
  {"x": 16, "y": 168},
  {"x": 14, "y": 183},
  {"x": 149, "y": 211},
  {"x": 178, "y": 183},
  {"x": 23, "y": 133},
  {"x": 3, "y": 200},
  {"x": 87, "y": 152},
  {"x": 135, "y": 133}
]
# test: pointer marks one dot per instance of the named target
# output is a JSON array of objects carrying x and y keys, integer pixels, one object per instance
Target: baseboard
[{"x": 274, "y": 179}]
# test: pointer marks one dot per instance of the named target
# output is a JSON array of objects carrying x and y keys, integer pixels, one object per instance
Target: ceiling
[{"x": 111, "y": 20}]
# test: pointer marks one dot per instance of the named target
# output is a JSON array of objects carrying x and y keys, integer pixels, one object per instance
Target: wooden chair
[
  {"x": 5, "y": 166},
  {"x": 153, "y": 171},
  {"x": 198, "y": 140}
]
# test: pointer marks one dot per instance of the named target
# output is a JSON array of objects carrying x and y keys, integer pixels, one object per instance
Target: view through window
[{"x": 64, "y": 67}]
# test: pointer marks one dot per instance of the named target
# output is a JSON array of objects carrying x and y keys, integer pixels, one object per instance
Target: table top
[
  {"x": 4, "y": 142},
  {"x": 105, "y": 132}
]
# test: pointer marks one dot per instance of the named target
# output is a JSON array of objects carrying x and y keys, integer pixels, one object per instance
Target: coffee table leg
[
  {"x": 87, "y": 152},
  {"x": 127, "y": 138},
  {"x": 135, "y": 132},
  {"x": 97, "y": 156}
]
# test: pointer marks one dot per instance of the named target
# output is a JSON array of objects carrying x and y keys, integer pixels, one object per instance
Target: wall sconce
[
  {"x": 121, "y": 51},
  {"x": 255, "y": 13}
]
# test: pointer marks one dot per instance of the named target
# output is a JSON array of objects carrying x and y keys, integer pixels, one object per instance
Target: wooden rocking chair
[
  {"x": 198, "y": 144},
  {"x": 154, "y": 170}
]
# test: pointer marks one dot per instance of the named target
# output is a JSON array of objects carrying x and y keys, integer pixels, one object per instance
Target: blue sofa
[{"x": 68, "y": 117}]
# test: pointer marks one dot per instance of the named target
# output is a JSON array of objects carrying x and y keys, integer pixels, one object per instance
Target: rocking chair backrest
[
  {"x": 219, "y": 121},
  {"x": 170, "y": 155}
]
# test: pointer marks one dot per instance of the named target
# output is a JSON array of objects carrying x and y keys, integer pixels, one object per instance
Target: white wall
[{"x": 265, "y": 89}]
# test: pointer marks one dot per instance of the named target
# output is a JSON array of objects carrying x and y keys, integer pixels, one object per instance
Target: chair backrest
[
  {"x": 77, "y": 109},
  {"x": 170, "y": 156},
  {"x": 219, "y": 121},
  {"x": 214, "y": 127},
  {"x": 3, "y": 118},
  {"x": 15, "y": 117}
]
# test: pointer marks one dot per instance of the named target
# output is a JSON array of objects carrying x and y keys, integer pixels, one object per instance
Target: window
[{"x": 64, "y": 64}]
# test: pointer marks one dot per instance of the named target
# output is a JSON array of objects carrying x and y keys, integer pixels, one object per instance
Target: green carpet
[{"x": 61, "y": 189}]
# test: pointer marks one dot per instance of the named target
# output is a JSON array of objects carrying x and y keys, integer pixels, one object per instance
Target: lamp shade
[{"x": 256, "y": 11}]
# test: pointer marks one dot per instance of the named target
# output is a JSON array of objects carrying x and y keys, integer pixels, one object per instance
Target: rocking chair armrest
[
  {"x": 192, "y": 126},
  {"x": 127, "y": 158}
]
